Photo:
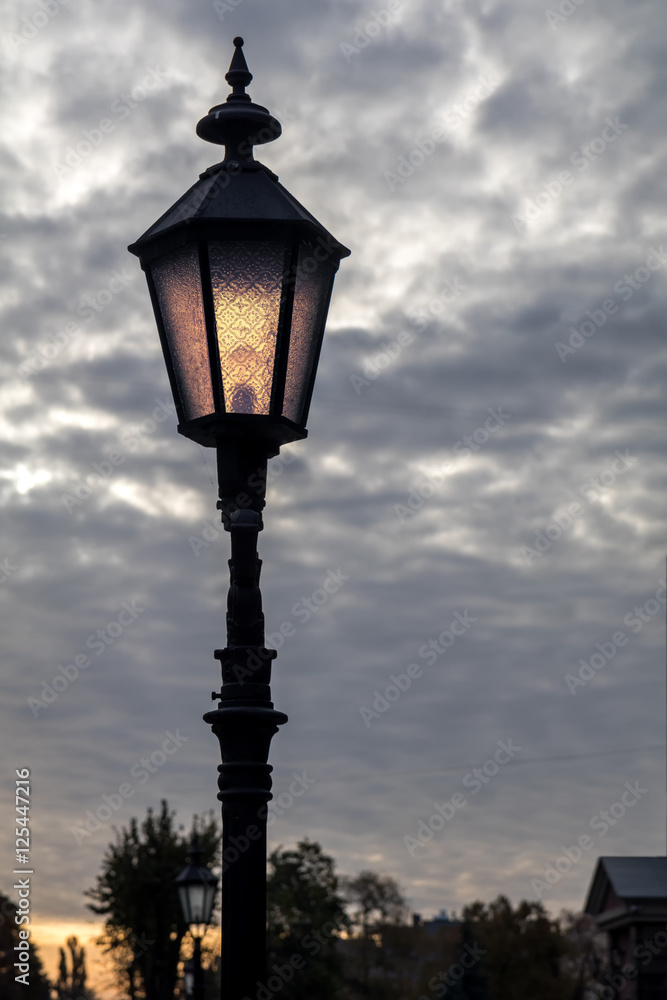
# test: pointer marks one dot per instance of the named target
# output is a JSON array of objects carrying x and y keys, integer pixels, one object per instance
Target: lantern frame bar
[
  {"x": 284, "y": 332},
  {"x": 211, "y": 332},
  {"x": 164, "y": 343},
  {"x": 321, "y": 320}
]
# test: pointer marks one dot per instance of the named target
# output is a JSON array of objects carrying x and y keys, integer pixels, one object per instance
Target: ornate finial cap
[
  {"x": 238, "y": 124},
  {"x": 238, "y": 76},
  {"x": 195, "y": 853}
]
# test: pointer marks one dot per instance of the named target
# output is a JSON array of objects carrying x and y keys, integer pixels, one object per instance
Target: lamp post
[
  {"x": 196, "y": 891},
  {"x": 240, "y": 276}
]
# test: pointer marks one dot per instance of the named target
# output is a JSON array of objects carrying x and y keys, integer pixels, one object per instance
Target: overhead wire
[{"x": 357, "y": 775}]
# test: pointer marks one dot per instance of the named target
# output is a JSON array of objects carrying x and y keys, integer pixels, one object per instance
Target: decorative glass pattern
[
  {"x": 178, "y": 286},
  {"x": 246, "y": 279},
  {"x": 311, "y": 299}
]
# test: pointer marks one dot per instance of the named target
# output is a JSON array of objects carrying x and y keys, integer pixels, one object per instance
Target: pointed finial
[
  {"x": 239, "y": 124},
  {"x": 239, "y": 76},
  {"x": 195, "y": 853}
]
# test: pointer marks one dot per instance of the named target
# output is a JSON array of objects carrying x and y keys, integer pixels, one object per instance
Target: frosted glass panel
[
  {"x": 311, "y": 301},
  {"x": 246, "y": 279},
  {"x": 178, "y": 288}
]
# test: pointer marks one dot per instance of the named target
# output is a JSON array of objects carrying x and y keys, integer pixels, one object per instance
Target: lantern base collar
[{"x": 243, "y": 428}]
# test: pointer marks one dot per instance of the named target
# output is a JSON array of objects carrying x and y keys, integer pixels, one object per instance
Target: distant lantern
[
  {"x": 240, "y": 276},
  {"x": 196, "y": 886}
]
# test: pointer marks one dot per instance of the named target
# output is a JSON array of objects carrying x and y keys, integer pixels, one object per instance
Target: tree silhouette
[
  {"x": 378, "y": 909},
  {"x": 305, "y": 917},
  {"x": 71, "y": 984},
  {"x": 136, "y": 892},
  {"x": 526, "y": 950}
]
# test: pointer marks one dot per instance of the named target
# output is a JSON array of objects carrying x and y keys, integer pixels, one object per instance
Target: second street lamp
[
  {"x": 240, "y": 276},
  {"x": 196, "y": 886}
]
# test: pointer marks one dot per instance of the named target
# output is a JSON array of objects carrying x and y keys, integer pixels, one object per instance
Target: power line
[{"x": 467, "y": 767}]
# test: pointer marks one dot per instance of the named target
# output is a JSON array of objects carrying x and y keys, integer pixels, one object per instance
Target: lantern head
[
  {"x": 240, "y": 276},
  {"x": 197, "y": 886}
]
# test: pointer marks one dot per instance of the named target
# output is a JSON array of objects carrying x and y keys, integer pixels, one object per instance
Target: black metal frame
[
  {"x": 209, "y": 320},
  {"x": 321, "y": 321}
]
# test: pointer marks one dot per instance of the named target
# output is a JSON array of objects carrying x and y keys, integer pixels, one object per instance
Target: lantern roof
[
  {"x": 238, "y": 191},
  {"x": 196, "y": 872},
  {"x": 221, "y": 195}
]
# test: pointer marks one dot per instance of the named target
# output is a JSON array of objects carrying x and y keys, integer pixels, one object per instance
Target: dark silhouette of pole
[
  {"x": 244, "y": 722},
  {"x": 198, "y": 981}
]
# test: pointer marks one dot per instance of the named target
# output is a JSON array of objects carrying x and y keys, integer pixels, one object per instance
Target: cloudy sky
[{"x": 485, "y": 472}]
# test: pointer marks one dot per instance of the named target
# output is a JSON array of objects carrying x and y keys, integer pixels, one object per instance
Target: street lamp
[
  {"x": 240, "y": 276},
  {"x": 196, "y": 886}
]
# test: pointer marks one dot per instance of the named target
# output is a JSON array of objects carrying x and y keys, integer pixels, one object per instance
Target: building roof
[{"x": 628, "y": 879}]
